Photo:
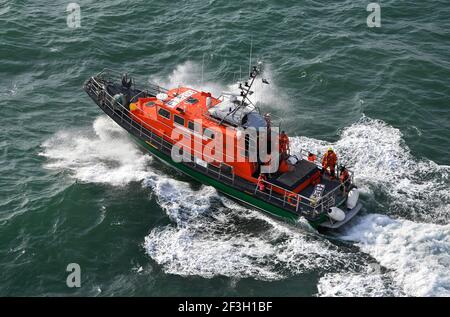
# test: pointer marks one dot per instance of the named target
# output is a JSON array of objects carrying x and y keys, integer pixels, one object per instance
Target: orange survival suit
[
  {"x": 284, "y": 143},
  {"x": 329, "y": 160},
  {"x": 344, "y": 178}
]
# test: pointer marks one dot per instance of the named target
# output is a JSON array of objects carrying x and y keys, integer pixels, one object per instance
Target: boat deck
[
  {"x": 95, "y": 89},
  {"x": 303, "y": 170}
]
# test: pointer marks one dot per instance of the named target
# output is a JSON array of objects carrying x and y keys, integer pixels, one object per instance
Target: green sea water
[{"x": 75, "y": 189}]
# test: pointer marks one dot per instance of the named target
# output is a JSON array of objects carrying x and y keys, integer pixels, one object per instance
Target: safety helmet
[{"x": 330, "y": 149}]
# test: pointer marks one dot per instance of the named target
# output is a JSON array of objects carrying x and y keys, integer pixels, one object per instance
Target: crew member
[
  {"x": 262, "y": 182},
  {"x": 284, "y": 144},
  {"x": 311, "y": 157},
  {"x": 329, "y": 160},
  {"x": 284, "y": 166},
  {"x": 344, "y": 177}
]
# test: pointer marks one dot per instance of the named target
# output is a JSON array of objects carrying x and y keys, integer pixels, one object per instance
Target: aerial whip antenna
[
  {"x": 250, "y": 60},
  {"x": 203, "y": 62}
]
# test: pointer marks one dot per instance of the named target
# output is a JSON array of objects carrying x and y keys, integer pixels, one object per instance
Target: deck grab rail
[{"x": 288, "y": 198}]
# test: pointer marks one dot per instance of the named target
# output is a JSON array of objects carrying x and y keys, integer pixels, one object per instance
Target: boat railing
[
  {"x": 284, "y": 196},
  {"x": 297, "y": 201},
  {"x": 329, "y": 199},
  {"x": 114, "y": 76},
  {"x": 148, "y": 131},
  {"x": 318, "y": 161},
  {"x": 287, "y": 198},
  {"x": 114, "y": 104}
]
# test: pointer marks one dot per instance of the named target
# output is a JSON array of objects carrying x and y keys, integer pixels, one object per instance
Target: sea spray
[{"x": 209, "y": 235}]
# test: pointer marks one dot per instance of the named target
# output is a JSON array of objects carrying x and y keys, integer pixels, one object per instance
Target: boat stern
[{"x": 349, "y": 214}]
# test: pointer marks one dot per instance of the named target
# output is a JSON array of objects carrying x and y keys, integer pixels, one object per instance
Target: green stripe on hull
[{"x": 230, "y": 191}]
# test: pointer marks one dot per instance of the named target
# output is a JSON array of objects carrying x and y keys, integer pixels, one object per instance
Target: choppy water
[{"x": 74, "y": 188}]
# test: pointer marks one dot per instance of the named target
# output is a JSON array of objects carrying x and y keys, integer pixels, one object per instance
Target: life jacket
[
  {"x": 261, "y": 183},
  {"x": 284, "y": 142},
  {"x": 284, "y": 167},
  {"x": 312, "y": 158},
  {"x": 329, "y": 159},
  {"x": 344, "y": 176}
]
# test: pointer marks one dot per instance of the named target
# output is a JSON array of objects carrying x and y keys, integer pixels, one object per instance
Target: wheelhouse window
[
  {"x": 191, "y": 125},
  {"x": 191, "y": 100},
  {"x": 178, "y": 120},
  {"x": 164, "y": 113},
  {"x": 208, "y": 133}
]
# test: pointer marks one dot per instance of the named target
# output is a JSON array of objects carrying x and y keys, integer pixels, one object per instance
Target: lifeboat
[{"x": 227, "y": 143}]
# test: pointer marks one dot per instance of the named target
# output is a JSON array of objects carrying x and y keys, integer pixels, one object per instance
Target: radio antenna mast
[
  {"x": 250, "y": 59},
  {"x": 203, "y": 62}
]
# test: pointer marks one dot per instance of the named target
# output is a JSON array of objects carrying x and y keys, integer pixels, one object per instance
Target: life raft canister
[
  {"x": 352, "y": 198},
  {"x": 336, "y": 214}
]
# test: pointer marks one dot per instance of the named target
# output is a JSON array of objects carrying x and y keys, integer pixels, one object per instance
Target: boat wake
[
  {"x": 392, "y": 178},
  {"x": 213, "y": 236},
  {"x": 210, "y": 234},
  {"x": 104, "y": 155},
  {"x": 403, "y": 251},
  {"x": 410, "y": 239},
  {"x": 417, "y": 254}
]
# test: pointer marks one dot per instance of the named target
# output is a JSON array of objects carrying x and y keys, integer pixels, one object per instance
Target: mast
[
  {"x": 203, "y": 63},
  {"x": 250, "y": 58},
  {"x": 246, "y": 89}
]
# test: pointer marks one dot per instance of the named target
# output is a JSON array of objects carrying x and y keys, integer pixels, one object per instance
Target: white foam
[
  {"x": 207, "y": 238},
  {"x": 214, "y": 245},
  {"x": 189, "y": 74},
  {"x": 4, "y": 10},
  {"x": 211, "y": 235},
  {"x": 205, "y": 241},
  {"x": 268, "y": 97},
  {"x": 418, "y": 253},
  {"x": 375, "y": 151},
  {"x": 105, "y": 156},
  {"x": 362, "y": 284}
]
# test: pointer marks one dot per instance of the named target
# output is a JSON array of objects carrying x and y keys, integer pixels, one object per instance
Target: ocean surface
[{"x": 75, "y": 189}]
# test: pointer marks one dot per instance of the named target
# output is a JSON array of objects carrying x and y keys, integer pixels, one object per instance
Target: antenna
[
  {"x": 240, "y": 73},
  {"x": 246, "y": 91},
  {"x": 203, "y": 62},
  {"x": 250, "y": 61}
]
